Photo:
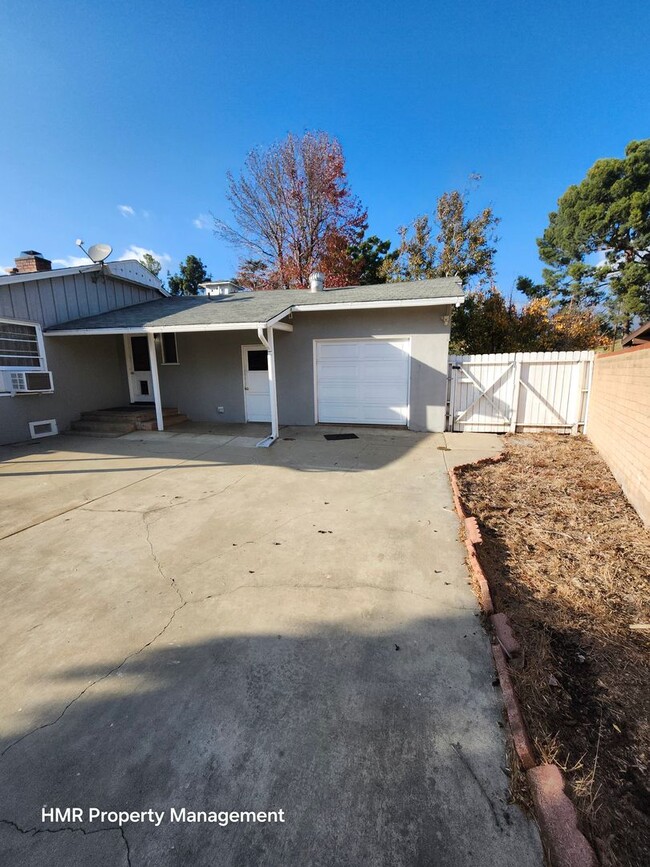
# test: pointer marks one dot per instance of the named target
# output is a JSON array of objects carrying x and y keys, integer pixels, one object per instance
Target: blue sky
[{"x": 147, "y": 105}]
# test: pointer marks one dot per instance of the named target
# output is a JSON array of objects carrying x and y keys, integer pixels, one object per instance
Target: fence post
[{"x": 516, "y": 391}]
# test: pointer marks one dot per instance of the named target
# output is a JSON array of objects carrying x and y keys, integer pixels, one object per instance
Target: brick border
[{"x": 555, "y": 813}]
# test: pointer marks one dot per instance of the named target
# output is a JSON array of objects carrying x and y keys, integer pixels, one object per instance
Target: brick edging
[{"x": 555, "y": 813}]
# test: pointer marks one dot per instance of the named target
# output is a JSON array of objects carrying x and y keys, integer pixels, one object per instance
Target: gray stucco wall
[
  {"x": 209, "y": 374},
  {"x": 210, "y": 370},
  {"x": 429, "y": 348},
  {"x": 88, "y": 372}
]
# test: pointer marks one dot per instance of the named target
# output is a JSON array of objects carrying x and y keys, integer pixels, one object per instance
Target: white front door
[
  {"x": 139, "y": 368},
  {"x": 257, "y": 396},
  {"x": 363, "y": 381}
]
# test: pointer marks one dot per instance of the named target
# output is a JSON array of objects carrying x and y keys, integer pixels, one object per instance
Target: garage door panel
[
  {"x": 384, "y": 415},
  {"x": 363, "y": 382},
  {"x": 328, "y": 351},
  {"x": 384, "y": 371},
  {"x": 383, "y": 351},
  {"x": 388, "y": 394}
]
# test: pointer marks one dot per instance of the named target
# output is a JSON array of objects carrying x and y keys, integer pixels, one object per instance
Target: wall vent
[{"x": 46, "y": 428}]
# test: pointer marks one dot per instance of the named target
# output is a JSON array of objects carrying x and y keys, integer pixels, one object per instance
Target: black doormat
[{"x": 341, "y": 436}]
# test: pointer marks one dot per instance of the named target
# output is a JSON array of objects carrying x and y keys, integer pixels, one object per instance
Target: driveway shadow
[{"x": 381, "y": 744}]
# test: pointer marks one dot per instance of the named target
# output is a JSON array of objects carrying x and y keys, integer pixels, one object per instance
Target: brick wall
[{"x": 619, "y": 421}]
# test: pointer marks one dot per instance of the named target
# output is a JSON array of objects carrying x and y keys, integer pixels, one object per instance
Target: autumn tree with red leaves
[{"x": 294, "y": 213}]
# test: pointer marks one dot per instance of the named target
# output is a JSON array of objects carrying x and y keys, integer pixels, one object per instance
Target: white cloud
[
  {"x": 135, "y": 252},
  {"x": 203, "y": 221},
  {"x": 126, "y": 210},
  {"x": 72, "y": 261}
]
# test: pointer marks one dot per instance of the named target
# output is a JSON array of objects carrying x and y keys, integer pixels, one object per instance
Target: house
[
  {"x": 45, "y": 384},
  {"x": 357, "y": 355},
  {"x": 639, "y": 337}
]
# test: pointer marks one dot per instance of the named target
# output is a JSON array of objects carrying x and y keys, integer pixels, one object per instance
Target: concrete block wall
[{"x": 619, "y": 421}]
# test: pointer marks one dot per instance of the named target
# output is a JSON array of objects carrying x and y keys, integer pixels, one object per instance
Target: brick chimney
[{"x": 30, "y": 261}]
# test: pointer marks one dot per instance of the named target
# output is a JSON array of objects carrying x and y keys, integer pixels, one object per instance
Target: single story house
[{"x": 357, "y": 355}]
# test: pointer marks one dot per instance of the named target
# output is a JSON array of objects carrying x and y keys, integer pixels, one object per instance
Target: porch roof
[{"x": 250, "y": 310}]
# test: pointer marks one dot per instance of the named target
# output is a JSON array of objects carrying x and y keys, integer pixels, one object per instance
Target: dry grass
[{"x": 569, "y": 561}]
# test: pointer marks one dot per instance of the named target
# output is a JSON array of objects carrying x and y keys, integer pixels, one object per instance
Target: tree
[
  {"x": 372, "y": 258},
  {"x": 192, "y": 273},
  {"x": 464, "y": 246},
  {"x": 253, "y": 274},
  {"x": 294, "y": 210},
  {"x": 486, "y": 323},
  {"x": 606, "y": 218},
  {"x": 151, "y": 263}
]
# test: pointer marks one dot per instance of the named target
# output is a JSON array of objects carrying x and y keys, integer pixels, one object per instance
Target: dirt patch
[{"x": 568, "y": 561}]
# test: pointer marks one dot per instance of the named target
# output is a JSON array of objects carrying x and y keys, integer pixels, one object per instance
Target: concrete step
[
  {"x": 92, "y": 426},
  {"x": 169, "y": 421},
  {"x": 89, "y": 433},
  {"x": 144, "y": 414}
]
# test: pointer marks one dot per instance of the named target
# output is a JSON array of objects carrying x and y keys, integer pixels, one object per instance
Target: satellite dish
[{"x": 99, "y": 253}]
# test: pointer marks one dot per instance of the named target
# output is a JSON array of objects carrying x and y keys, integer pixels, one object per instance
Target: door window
[
  {"x": 258, "y": 359},
  {"x": 140, "y": 352}
]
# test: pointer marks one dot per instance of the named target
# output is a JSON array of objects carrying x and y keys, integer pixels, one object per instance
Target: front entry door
[
  {"x": 257, "y": 396},
  {"x": 139, "y": 368}
]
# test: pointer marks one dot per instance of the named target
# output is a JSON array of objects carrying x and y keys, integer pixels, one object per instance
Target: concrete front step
[
  {"x": 91, "y": 426},
  {"x": 168, "y": 420},
  {"x": 126, "y": 415},
  {"x": 122, "y": 420},
  {"x": 90, "y": 433}
]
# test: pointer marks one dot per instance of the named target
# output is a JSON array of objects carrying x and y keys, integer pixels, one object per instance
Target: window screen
[
  {"x": 258, "y": 359},
  {"x": 169, "y": 349},
  {"x": 19, "y": 345}
]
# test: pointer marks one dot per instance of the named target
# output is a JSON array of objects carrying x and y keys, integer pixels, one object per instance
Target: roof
[
  {"x": 123, "y": 269},
  {"x": 641, "y": 335},
  {"x": 252, "y": 309}
]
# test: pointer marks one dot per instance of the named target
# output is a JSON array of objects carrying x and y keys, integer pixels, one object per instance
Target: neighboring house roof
[
  {"x": 641, "y": 335},
  {"x": 252, "y": 309},
  {"x": 127, "y": 269}
]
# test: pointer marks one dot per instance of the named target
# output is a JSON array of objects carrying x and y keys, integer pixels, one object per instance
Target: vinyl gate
[{"x": 519, "y": 391}]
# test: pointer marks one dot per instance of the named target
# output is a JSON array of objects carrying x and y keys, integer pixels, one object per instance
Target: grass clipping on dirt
[{"x": 568, "y": 560}]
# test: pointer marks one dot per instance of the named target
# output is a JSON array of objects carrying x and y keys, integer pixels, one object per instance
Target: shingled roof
[{"x": 259, "y": 308}]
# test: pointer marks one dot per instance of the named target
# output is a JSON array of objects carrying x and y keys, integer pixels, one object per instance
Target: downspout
[{"x": 268, "y": 342}]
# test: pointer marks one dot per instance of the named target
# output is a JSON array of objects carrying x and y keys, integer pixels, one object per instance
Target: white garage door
[{"x": 362, "y": 381}]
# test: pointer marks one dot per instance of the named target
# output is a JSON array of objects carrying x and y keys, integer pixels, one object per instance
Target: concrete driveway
[{"x": 191, "y": 622}]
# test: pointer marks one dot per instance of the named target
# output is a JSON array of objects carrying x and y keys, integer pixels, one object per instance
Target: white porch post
[
  {"x": 273, "y": 393},
  {"x": 153, "y": 364}
]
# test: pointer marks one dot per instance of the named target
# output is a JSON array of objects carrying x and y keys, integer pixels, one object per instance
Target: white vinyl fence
[{"x": 519, "y": 391}]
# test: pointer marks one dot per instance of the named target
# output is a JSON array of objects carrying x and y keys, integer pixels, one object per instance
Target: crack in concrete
[
  {"x": 159, "y": 567},
  {"x": 183, "y": 602},
  {"x": 94, "y": 683},
  {"x": 343, "y": 587},
  {"x": 34, "y": 831},
  {"x": 164, "y": 508},
  {"x": 459, "y": 752},
  {"x": 80, "y": 506}
]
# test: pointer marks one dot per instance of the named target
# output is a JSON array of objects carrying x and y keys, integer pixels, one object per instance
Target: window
[
  {"x": 258, "y": 359},
  {"x": 21, "y": 346},
  {"x": 169, "y": 348}
]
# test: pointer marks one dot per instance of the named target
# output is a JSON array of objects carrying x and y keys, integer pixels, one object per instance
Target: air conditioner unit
[{"x": 27, "y": 382}]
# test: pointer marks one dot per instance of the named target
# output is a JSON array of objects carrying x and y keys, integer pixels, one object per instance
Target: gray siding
[
  {"x": 210, "y": 369},
  {"x": 89, "y": 373},
  {"x": 51, "y": 300}
]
